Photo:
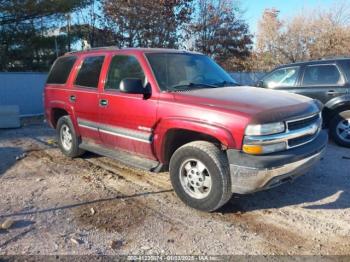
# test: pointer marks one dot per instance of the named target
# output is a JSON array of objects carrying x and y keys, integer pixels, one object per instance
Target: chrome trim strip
[
  {"x": 125, "y": 136},
  {"x": 282, "y": 137},
  {"x": 117, "y": 131},
  {"x": 88, "y": 127}
]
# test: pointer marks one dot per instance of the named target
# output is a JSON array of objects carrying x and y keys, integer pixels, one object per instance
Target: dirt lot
[{"x": 94, "y": 205}]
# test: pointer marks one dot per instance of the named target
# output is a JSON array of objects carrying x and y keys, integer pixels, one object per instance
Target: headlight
[
  {"x": 251, "y": 146},
  {"x": 265, "y": 129}
]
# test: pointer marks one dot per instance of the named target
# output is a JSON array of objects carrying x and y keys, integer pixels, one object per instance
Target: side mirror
[
  {"x": 260, "y": 83},
  {"x": 133, "y": 86}
]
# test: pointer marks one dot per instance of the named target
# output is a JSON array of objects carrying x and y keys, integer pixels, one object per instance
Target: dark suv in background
[{"x": 325, "y": 80}]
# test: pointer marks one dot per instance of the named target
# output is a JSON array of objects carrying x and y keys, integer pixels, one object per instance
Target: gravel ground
[{"x": 93, "y": 205}]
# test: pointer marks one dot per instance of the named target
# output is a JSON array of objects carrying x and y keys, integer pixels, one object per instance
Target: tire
[
  {"x": 65, "y": 124},
  {"x": 190, "y": 157},
  {"x": 339, "y": 128}
]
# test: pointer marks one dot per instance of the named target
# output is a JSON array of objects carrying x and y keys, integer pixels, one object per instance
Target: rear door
[
  {"x": 322, "y": 81},
  {"x": 127, "y": 120},
  {"x": 84, "y": 96}
]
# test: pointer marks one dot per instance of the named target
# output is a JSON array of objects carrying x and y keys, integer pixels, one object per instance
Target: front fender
[{"x": 220, "y": 133}]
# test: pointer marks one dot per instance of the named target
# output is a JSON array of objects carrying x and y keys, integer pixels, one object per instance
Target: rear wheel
[
  {"x": 68, "y": 141},
  {"x": 340, "y": 128},
  {"x": 200, "y": 175}
]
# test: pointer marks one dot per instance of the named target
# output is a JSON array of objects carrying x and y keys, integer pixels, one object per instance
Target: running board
[{"x": 126, "y": 158}]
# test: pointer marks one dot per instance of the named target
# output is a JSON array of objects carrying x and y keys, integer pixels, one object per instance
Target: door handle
[
  {"x": 72, "y": 98},
  {"x": 103, "y": 102},
  {"x": 332, "y": 92}
]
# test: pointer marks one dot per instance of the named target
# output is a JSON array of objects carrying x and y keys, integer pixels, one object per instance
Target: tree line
[
  {"x": 33, "y": 33},
  {"x": 312, "y": 34}
]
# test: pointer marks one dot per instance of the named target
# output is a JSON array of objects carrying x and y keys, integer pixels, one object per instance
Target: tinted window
[
  {"x": 89, "y": 72},
  {"x": 123, "y": 67},
  {"x": 322, "y": 75},
  {"x": 282, "y": 77},
  {"x": 176, "y": 70},
  {"x": 60, "y": 70},
  {"x": 346, "y": 67}
]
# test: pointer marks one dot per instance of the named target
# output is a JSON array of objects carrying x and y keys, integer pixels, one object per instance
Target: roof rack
[{"x": 94, "y": 49}]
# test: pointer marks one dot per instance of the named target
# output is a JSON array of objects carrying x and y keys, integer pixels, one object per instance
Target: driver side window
[
  {"x": 121, "y": 67},
  {"x": 284, "y": 77}
]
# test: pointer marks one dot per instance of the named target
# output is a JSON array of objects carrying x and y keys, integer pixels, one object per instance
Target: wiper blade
[{"x": 191, "y": 86}]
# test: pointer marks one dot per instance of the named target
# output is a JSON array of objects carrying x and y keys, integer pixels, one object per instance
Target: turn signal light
[{"x": 253, "y": 149}]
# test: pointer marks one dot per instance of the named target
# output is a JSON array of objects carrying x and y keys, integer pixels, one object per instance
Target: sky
[{"x": 288, "y": 8}]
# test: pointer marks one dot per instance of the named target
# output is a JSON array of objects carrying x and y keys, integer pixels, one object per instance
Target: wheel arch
[
  {"x": 175, "y": 133},
  {"x": 334, "y": 106}
]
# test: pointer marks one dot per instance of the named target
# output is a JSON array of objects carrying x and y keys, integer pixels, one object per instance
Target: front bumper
[{"x": 251, "y": 173}]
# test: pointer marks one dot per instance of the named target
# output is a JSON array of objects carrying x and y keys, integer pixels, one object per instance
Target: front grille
[
  {"x": 298, "y": 124},
  {"x": 300, "y": 140}
]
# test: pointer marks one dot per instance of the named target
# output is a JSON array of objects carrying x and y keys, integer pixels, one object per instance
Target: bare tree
[
  {"x": 219, "y": 31},
  {"x": 147, "y": 23},
  {"x": 312, "y": 34}
]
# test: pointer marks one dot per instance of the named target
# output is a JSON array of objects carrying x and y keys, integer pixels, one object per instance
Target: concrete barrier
[
  {"x": 24, "y": 90},
  {"x": 9, "y": 117}
]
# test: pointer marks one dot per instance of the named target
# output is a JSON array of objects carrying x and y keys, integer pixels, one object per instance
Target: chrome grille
[
  {"x": 301, "y": 123},
  {"x": 304, "y": 123},
  {"x": 298, "y": 132}
]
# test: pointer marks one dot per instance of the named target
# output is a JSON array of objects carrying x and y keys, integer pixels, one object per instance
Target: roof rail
[
  {"x": 335, "y": 57},
  {"x": 94, "y": 49}
]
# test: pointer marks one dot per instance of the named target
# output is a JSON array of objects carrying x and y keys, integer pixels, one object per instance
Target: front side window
[
  {"x": 322, "y": 75},
  {"x": 176, "y": 71},
  {"x": 121, "y": 67},
  {"x": 284, "y": 77},
  {"x": 61, "y": 70},
  {"x": 89, "y": 73}
]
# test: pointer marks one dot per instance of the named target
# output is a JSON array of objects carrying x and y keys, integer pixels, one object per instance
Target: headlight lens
[
  {"x": 255, "y": 148},
  {"x": 265, "y": 129}
]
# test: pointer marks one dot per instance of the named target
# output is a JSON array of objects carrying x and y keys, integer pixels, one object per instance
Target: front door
[
  {"x": 284, "y": 79},
  {"x": 84, "y": 97},
  {"x": 127, "y": 120}
]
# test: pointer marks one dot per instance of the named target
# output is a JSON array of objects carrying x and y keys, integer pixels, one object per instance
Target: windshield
[{"x": 177, "y": 71}]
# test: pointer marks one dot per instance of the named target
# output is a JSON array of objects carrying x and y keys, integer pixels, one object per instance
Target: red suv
[{"x": 160, "y": 110}]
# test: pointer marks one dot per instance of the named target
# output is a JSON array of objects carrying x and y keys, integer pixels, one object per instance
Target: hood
[{"x": 261, "y": 105}]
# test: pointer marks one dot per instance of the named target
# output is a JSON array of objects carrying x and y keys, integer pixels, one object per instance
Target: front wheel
[
  {"x": 200, "y": 175},
  {"x": 340, "y": 128}
]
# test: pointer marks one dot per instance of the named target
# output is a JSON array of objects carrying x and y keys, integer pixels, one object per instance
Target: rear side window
[
  {"x": 60, "y": 70},
  {"x": 89, "y": 72},
  {"x": 122, "y": 67},
  {"x": 322, "y": 75},
  {"x": 346, "y": 68},
  {"x": 284, "y": 77}
]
